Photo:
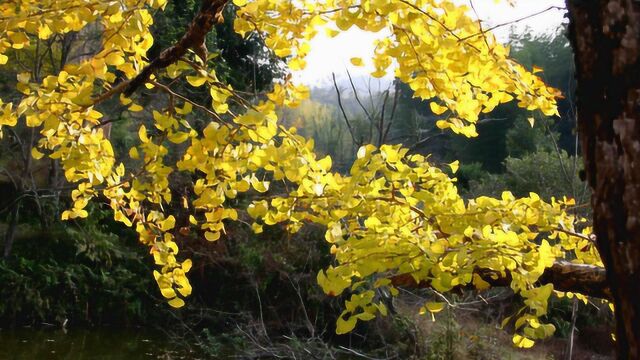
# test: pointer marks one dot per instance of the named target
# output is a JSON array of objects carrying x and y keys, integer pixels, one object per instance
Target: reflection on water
[{"x": 85, "y": 344}]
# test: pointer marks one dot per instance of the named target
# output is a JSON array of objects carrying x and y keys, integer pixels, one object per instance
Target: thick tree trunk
[{"x": 605, "y": 35}]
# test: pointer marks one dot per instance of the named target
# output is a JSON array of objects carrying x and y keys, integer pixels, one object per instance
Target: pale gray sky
[{"x": 334, "y": 54}]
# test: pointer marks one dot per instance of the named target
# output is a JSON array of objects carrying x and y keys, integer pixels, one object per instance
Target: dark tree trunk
[{"x": 605, "y": 35}]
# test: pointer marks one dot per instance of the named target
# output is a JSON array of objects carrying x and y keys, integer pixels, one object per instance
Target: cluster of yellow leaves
[
  {"x": 7, "y": 117},
  {"x": 393, "y": 214},
  {"x": 398, "y": 214},
  {"x": 62, "y": 107},
  {"x": 440, "y": 51}
]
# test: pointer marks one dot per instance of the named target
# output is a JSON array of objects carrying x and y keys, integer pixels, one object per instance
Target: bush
[
  {"x": 546, "y": 173},
  {"x": 81, "y": 274}
]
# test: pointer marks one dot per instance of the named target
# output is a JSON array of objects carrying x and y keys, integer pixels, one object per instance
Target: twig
[
  {"x": 113, "y": 91},
  {"x": 358, "y": 353},
  {"x": 574, "y": 318},
  {"x": 355, "y": 94},
  {"x": 396, "y": 95},
  {"x": 417, "y": 145},
  {"x": 556, "y": 147},
  {"x": 512, "y": 22},
  {"x": 443, "y": 25},
  {"x": 480, "y": 25},
  {"x": 195, "y": 104},
  {"x": 310, "y": 325},
  {"x": 264, "y": 327},
  {"x": 381, "y": 122},
  {"x": 581, "y": 236}
]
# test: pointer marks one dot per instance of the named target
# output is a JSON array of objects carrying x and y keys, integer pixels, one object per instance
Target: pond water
[{"x": 85, "y": 344}]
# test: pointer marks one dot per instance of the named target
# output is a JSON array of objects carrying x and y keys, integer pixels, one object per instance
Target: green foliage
[
  {"x": 552, "y": 52},
  {"x": 216, "y": 345},
  {"x": 523, "y": 139},
  {"x": 543, "y": 172},
  {"x": 250, "y": 65},
  {"x": 445, "y": 343},
  {"x": 469, "y": 172},
  {"x": 534, "y": 164},
  {"x": 82, "y": 273}
]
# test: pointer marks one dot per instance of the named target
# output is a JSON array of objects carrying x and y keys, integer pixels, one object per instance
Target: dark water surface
[{"x": 85, "y": 344}]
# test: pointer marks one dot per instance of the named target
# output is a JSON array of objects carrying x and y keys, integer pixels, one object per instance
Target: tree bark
[
  {"x": 605, "y": 35},
  {"x": 210, "y": 13},
  {"x": 565, "y": 276}
]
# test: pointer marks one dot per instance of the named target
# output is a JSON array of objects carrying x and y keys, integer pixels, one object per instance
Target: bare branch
[
  {"x": 381, "y": 122},
  {"x": 418, "y": 144},
  {"x": 344, "y": 114},
  {"x": 212, "y": 114},
  {"x": 355, "y": 94},
  {"x": 396, "y": 95},
  {"x": 482, "y": 32}
]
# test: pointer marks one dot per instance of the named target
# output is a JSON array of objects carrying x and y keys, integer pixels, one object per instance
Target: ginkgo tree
[{"x": 394, "y": 220}]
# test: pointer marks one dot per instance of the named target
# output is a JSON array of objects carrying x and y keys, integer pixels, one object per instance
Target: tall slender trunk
[
  {"x": 605, "y": 35},
  {"x": 11, "y": 230}
]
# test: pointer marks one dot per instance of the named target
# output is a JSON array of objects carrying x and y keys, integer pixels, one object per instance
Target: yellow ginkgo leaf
[
  {"x": 186, "y": 265},
  {"x": 36, "y": 154},
  {"x": 168, "y": 223},
  {"x": 479, "y": 282},
  {"x": 455, "y": 166},
  {"x": 196, "y": 81},
  {"x": 434, "y": 307},
  {"x": 176, "y": 302},
  {"x": 437, "y": 109},
  {"x": 522, "y": 342},
  {"x": 212, "y": 236},
  {"x": 356, "y": 61},
  {"x": 345, "y": 326}
]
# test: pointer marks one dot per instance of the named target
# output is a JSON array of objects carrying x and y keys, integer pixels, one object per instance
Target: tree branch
[
  {"x": 584, "y": 279},
  {"x": 209, "y": 14},
  {"x": 396, "y": 95},
  {"x": 344, "y": 114},
  {"x": 482, "y": 32}
]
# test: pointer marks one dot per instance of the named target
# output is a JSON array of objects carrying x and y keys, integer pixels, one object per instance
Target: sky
[{"x": 333, "y": 54}]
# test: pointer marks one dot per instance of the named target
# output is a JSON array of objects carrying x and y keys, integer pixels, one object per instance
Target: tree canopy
[{"x": 396, "y": 219}]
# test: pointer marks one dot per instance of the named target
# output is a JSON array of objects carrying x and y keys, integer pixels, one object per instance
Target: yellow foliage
[{"x": 392, "y": 214}]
